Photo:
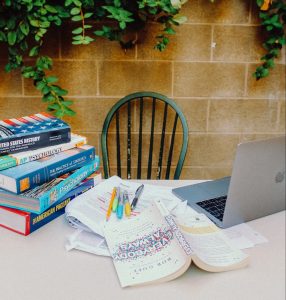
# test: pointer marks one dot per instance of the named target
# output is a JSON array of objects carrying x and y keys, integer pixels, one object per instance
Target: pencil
[{"x": 108, "y": 213}]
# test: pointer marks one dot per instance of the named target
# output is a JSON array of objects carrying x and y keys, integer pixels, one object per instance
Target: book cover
[
  {"x": 42, "y": 197},
  {"x": 32, "y": 132},
  {"x": 13, "y": 160},
  {"x": 25, "y": 222},
  {"x": 152, "y": 248},
  {"x": 24, "y": 177}
]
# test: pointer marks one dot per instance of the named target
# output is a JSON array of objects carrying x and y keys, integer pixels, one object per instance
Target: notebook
[{"x": 255, "y": 189}]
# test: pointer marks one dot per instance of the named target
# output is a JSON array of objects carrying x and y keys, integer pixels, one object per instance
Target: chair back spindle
[{"x": 147, "y": 114}]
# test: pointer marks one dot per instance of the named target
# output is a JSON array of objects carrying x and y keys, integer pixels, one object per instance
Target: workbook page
[{"x": 145, "y": 249}]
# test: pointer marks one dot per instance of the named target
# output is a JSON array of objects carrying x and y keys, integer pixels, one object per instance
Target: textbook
[
  {"x": 152, "y": 248},
  {"x": 25, "y": 222},
  {"x": 32, "y": 132},
  {"x": 24, "y": 177},
  {"x": 42, "y": 197},
  {"x": 12, "y": 160}
]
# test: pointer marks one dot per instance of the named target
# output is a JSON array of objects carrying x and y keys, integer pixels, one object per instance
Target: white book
[
  {"x": 12, "y": 160},
  {"x": 152, "y": 248}
]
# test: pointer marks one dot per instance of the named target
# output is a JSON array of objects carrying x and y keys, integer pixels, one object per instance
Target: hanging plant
[
  {"x": 273, "y": 16},
  {"x": 24, "y": 24}
]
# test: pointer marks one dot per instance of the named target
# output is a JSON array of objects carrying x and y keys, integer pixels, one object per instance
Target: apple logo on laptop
[{"x": 280, "y": 177}]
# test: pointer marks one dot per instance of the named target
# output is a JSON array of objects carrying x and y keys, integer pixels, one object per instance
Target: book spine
[
  {"x": 31, "y": 141},
  {"x": 10, "y": 161},
  {"x": 7, "y": 162},
  {"x": 36, "y": 221},
  {"x": 41, "y": 175},
  {"x": 61, "y": 189}
]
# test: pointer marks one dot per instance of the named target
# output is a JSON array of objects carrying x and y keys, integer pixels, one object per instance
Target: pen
[
  {"x": 126, "y": 204},
  {"x": 108, "y": 213},
  {"x": 119, "y": 211},
  {"x": 137, "y": 195},
  {"x": 115, "y": 202}
]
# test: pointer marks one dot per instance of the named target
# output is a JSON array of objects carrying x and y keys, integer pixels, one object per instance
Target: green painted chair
[{"x": 134, "y": 128}]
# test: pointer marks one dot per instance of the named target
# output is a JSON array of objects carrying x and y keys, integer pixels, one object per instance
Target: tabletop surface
[{"x": 39, "y": 267}]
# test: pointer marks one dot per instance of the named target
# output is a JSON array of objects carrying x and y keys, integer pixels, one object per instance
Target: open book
[{"x": 151, "y": 248}]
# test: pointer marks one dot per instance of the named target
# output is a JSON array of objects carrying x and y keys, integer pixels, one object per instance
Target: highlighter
[
  {"x": 126, "y": 204},
  {"x": 115, "y": 201},
  {"x": 119, "y": 212}
]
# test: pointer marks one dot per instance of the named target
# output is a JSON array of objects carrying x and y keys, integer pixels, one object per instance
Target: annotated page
[
  {"x": 88, "y": 212},
  {"x": 146, "y": 249},
  {"x": 213, "y": 250}
]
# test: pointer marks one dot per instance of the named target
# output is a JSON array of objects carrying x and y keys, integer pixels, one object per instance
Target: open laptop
[{"x": 255, "y": 189}]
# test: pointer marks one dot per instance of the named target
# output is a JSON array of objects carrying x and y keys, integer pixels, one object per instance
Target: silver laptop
[{"x": 255, "y": 189}]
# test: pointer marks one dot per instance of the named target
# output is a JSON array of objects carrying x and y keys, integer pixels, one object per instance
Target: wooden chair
[{"x": 143, "y": 120}]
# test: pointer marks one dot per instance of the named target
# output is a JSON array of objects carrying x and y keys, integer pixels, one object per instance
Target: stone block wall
[{"x": 207, "y": 70}]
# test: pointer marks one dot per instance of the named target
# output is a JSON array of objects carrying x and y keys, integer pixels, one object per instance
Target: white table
[{"x": 39, "y": 267}]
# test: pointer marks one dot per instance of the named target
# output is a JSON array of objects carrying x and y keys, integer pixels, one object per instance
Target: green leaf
[
  {"x": 35, "y": 23},
  {"x": 68, "y": 111},
  {"x": 179, "y": 19},
  {"x": 54, "y": 106},
  {"x": 169, "y": 30},
  {"x": 77, "y": 30},
  {"x": 51, "y": 79},
  {"x": 76, "y": 18},
  {"x": 40, "y": 85},
  {"x": 68, "y": 2},
  {"x": 34, "y": 51},
  {"x": 12, "y": 37},
  {"x": 88, "y": 15},
  {"x": 49, "y": 97},
  {"x": 51, "y": 9},
  {"x": 67, "y": 103},
  {"x": 59, "y": 91},
  {"x": 75, "y": 11},
  {"x": 25, "y": 28}
]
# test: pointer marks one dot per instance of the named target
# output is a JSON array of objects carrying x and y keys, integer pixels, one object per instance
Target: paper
[
  {"x": 88, "y": 242},
  {"x": 88, "y": 212},
  {"x": 209, "y": 242},
  {"x": 243, "y": 236},
  {"x": 145, "y": 249}
]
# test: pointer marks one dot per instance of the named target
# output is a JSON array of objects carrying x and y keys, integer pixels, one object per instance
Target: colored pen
[
  {"x": 137, "y": 195},
  {"x": 119, "y": 212},
  {"x": 108, "y": 213},
  {"x": 126, "y": 204},
  {"x": 115, "y": 202}
]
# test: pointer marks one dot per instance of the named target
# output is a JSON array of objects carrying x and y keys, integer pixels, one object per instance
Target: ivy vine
[{"x": 24, "y": 24}]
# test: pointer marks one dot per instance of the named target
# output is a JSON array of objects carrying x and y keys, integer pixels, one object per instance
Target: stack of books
[{"x": 43, "y": 166}]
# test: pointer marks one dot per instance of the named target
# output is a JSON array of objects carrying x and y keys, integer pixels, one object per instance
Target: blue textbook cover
[
  {"x": 24, "y": 177},
  {"x": 32, "y": 132},
  {"x": 42, "y": 197},
  {"x": 26, "y": 222}
]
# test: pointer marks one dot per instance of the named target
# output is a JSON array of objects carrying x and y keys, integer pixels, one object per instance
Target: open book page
[
  {"x": 88, "y": 212},
  {"x": 213, "y": 250},
  {"x": 147, "y": 248}
]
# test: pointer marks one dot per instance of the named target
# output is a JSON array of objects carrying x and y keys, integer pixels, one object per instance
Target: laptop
[{"x": 255, "y": 189}]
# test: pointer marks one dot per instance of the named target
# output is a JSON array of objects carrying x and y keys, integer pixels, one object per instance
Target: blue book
[
  {"x": 32, "y": 132},
  {"x": 44, "y": 196},
  {"x": 26, "y": 222},
  {"x": 25, "y": 177}
]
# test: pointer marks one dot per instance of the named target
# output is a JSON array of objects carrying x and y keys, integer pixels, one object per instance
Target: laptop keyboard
[{"x": 214, "y": 206}]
